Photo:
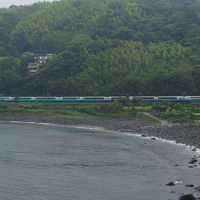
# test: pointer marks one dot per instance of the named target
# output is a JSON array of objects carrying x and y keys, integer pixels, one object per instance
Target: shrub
[
  {"x": 177, "y": 116},
  {"x": 109, "y": 108},
  {"x": 161, "y": 107},
  {"x": 3, "y": 105},
  {"x": 123, "y": 101}
]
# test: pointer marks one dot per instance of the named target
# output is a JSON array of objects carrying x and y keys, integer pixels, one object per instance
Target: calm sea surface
[{"x": 39, "y": 162}]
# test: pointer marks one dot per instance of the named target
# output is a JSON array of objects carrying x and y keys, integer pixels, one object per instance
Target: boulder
[
  {"x": 170, "y": 183},
  {"x": 197, "y": 188},
  {"x": 192, "y": 161},
  {"x": 194, "y": 149},
  {"x": 187, "y": 197},
  {"x": 189, "y": 185},
  {"x": 144, "y": 135}
]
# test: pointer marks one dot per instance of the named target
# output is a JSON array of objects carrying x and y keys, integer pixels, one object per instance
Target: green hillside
[{"x": 102, "y": 47}]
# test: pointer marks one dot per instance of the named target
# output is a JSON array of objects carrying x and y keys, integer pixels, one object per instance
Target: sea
[{"x": 54, "y": 162}]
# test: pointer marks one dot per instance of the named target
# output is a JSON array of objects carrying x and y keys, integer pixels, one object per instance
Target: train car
[
  {"x": 167, "y": 98},
  {"x": 68, "y": 99},
  {"x": 98, "y": 99},
  {"x": 183, "y": 98},
  {"x": 2, "y": 99},
  {"x": 46, "y": 99},
  {"x": 195, "y": 99},
  {"x": 25, "y": 99},
  {"x": 9, "y": 99},
  {"x": 147, "y": 98}
]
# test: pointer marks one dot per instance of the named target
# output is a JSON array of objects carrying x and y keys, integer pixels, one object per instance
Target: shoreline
[
  {"x": 177, "y": 133},
  {"x": 189, "y": 148}
]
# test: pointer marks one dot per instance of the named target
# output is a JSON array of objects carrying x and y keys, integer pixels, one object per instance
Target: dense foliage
[
  {"x": 155, "y": 112},
  {"x": 102, "y": 47}
]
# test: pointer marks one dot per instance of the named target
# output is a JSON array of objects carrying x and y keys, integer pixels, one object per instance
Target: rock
[
  {"x": 171, "y": 183},
  {"x": 187, "y": 197},
  {"x": 197, "y": 188},
  {"x": 194, "y": 156},
  {"x": 144, "y": 135},
  {"x": 189, "y": 185},
  {"x": 153, "y": 138},
  {"x": 194, "y": 149},
  {"x": 193, "y": 161}
]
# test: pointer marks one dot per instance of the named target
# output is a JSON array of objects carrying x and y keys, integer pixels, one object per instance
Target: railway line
[{"x": 192, "y": 99}]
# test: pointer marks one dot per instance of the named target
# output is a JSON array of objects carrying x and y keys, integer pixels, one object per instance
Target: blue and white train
[{"x": 101, "y": 99}]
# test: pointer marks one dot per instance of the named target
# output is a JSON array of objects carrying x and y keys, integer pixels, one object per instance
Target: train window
[
  {"x": 69, "y": 98},
  {"x": 80, "y": 98},
  {"x": 107, "y": 98}
]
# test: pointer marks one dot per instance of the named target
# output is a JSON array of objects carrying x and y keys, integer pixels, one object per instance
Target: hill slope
[{"x": 102, "y": 47}]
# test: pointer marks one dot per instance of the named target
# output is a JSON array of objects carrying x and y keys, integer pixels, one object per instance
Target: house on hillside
[
  {"x": 33, "y": 67},
  {"x": 39, "y": 59}
]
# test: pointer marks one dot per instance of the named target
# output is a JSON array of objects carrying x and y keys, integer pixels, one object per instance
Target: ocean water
[{"x": 39, "y": 162}]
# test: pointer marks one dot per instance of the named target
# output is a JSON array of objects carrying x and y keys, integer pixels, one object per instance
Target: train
[{"x": 101, "y": 99}]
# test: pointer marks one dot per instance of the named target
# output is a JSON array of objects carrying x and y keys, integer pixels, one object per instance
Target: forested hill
[{"x": 102, "y": 47}]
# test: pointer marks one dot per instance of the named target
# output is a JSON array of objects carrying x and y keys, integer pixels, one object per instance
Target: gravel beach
[{"x": 189, "y": 135}]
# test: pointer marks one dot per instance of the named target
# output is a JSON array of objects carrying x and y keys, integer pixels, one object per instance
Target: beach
[{"x": 180, "y": 133}]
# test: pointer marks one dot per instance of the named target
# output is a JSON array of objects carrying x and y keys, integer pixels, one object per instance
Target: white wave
[
  {"x": 188, "y": 147},
  {"x": 60, "y": 125}
]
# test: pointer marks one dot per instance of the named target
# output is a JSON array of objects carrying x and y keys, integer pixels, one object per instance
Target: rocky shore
[{"x": 189, "y": 135}]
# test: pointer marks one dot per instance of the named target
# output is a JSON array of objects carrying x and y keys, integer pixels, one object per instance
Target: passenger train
[{"x": 101, "y": 99}]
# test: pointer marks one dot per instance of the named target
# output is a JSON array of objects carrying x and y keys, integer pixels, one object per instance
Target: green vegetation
[
  {"x": 68, "y": 110},
  {"x": 172, "y": 112},
  {"x": 41, "y": 109},
  {"x": 176, "y": 112},
  {"x": 107, "y": 47}
]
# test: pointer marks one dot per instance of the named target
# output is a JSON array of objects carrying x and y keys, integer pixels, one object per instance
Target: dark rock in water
[
  {"x": 197, "y": 188},
  {"x": 194, "y": 156},
  {"x": 144, "y": 136},
  {"x": 194, "y": 149},
  {"x": 193, "y": 161},
  {"x": 176, "y": 165},
  {"x": 190, "y": 166},
  {"x": 171, "y": 183},
  {"x": 189, "y": 185},
  {"x": 187, "y": 197},
  {"x": 172, "y": 192},
  {"x": 153, "y": 138}
]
